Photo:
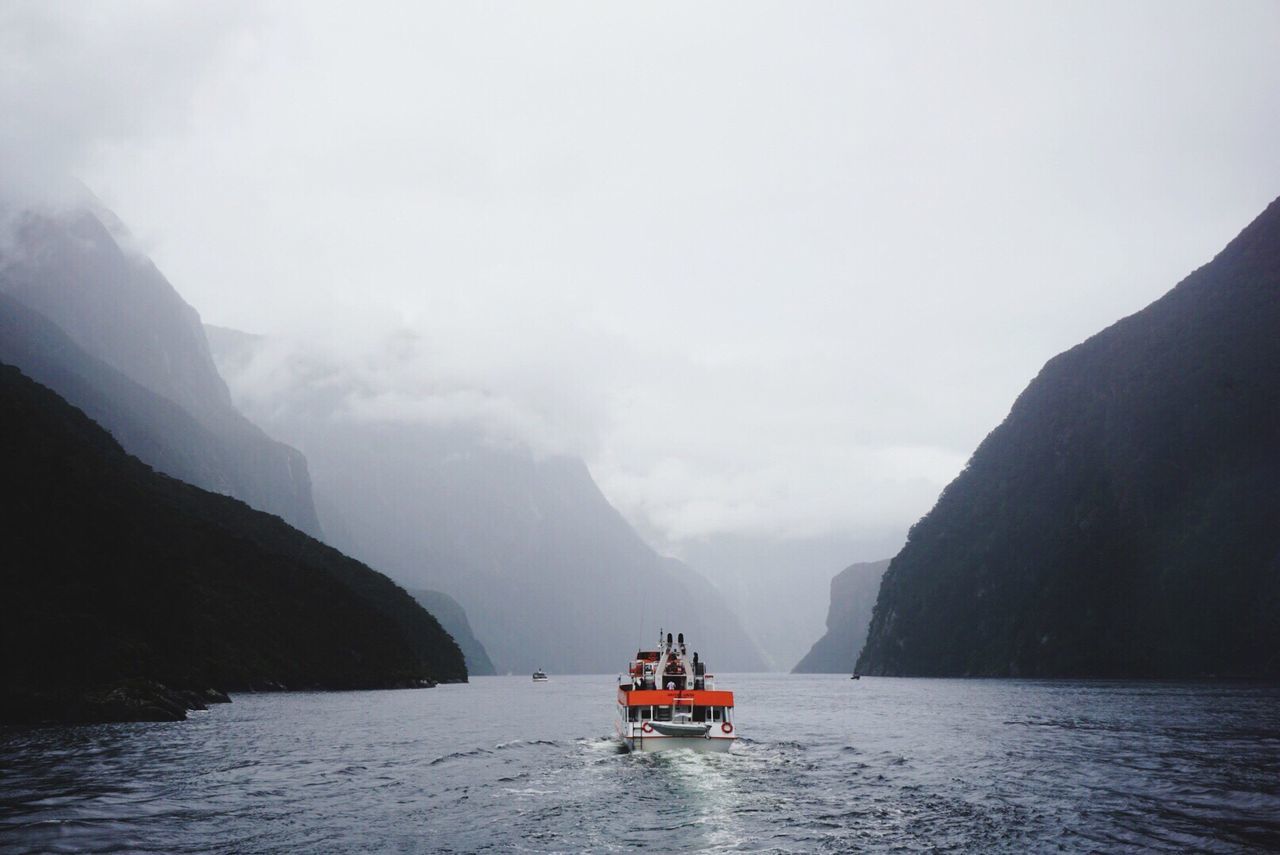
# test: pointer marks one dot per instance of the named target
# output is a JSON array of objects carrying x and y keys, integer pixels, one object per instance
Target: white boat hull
[
  {"x": 700, "y": 745},
  {"x": 650, "y": 742}
]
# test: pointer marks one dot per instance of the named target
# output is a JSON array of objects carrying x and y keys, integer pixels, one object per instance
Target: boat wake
[{"x": 710, "y": 790}]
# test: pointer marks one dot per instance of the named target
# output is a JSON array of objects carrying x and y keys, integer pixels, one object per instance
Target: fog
[{"x": 772, "y": 270}]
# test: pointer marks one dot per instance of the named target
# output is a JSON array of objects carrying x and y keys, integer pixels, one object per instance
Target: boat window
[
  {"x": 662, "y": 713},
  {"x": 700, "y": 713},
  {"x": 633, "y": 713},
  {"x": 717, "y": 713},
  {"x": 646, "y": 713}
]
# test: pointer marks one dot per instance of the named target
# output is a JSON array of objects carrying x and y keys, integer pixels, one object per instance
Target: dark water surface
[{"x": 827, "y": 765}]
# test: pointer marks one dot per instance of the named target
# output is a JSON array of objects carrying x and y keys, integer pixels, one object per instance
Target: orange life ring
[
  {"x": 646, "y": 727},
  {"x": 726, "y": 727}
]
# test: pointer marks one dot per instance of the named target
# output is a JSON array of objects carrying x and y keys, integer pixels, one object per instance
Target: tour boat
[
  {"x": 540, "y": 676},
  {"x": 668, "y": 701}
]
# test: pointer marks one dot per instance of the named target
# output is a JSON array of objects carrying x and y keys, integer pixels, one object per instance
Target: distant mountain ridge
[
  {"x": 853, "y": 598},
  {"x": 120, "y": 585},
  {"x": 1124, "y": 520},
  {"x": 549, "y": 573},
  {"x": 446, "y": 609},
  {"x": 779, "y": 586},
  {"x": 127, "y": 323}
]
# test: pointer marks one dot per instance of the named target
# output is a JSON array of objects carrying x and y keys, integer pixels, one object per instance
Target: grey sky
[{"x": 771, "y": 268}]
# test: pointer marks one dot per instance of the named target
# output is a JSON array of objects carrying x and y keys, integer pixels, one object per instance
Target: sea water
[{"x": 825, "y": 764}]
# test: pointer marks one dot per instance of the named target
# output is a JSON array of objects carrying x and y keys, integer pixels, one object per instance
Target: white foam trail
[{"x": 716, "y": 795}]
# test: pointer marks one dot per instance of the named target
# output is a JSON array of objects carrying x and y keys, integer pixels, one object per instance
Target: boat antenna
[{"x": 640, "y": 634}]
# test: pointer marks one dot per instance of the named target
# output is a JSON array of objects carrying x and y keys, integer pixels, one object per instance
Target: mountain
[
  {"x": 549, "y": 573},
  {"x": 780, "y": 585},
  {"x": 445, "y": 609},
  {"x": 148, "y": 425},
  {"x": 853, "y": 597},
  {"x": 74, "y": 272},
  {"x": 121, "y": 586},
  {"x": 1124, "y": 519}
]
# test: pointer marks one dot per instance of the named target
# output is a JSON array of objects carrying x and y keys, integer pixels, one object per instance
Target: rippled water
[{"x": 827, "y": 764}]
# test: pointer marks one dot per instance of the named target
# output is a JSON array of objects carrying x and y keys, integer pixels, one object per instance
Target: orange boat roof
[{"x": 666, "y": 697}]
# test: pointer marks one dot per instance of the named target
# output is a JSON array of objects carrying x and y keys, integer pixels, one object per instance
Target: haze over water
[{"x": 826, "y": 764}]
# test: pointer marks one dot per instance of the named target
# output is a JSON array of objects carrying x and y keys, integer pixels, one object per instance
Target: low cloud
[
  {"x": 681, "y": 463},
  {"x": 77, "y": 80},
  {"x": 380, "y": 369},
  {"x": 765, "y": 269}
]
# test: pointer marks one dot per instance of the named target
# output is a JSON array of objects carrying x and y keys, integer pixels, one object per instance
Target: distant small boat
[
  {"x": 855, "y": 677},
  {"x": 540, "y": 676}
]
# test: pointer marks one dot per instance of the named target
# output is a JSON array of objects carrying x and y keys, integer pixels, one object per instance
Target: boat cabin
[{"x": 679, "y": 711}]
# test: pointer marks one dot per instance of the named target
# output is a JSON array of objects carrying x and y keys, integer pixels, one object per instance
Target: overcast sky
[{"x": 772, "y": 268}]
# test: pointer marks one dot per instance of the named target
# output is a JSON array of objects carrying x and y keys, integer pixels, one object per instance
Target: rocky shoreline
[
  {"x": 135, "y": 701},
  {"x": 131, "y": 700}
]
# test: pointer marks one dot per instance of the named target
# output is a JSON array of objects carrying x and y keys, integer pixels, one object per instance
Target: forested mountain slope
[
  {"x": 1125, "y": 518},
  {"x": 114, "y": 574}
]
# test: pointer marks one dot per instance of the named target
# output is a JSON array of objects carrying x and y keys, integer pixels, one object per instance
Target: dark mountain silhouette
[
  {"x": 445, "y": 609},
  {"x": 148, "y": 425},
  {"x": 116, "y": 307},
  {"x": 549, "y": 573},
  {"x": 1125, "y": 517},
  {"x": 853, "y": 597},
  {"x": 121, "y": 586}
]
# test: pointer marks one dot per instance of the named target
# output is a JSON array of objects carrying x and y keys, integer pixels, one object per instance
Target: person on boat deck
[{"x": 671, "y": 684}]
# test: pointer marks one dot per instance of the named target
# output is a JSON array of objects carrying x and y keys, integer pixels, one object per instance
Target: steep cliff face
[
  {"x": 550, "y": 574},
  {"x": 115, "y": 304},
  {"x": 853, "y": 597},
  {"x": 114, "y": 574},
  {"x": 72, "y": 271},
  {"x": 1124, "y": 519}
]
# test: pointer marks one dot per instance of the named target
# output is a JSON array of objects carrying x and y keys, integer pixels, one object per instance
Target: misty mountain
[
  {"x": 445, "y": 609},
  {"x": 116, "y": 577},
  {"x": 148, "y": 425},
  {"x": 853, "y": 598},
  {"x": 549, "y": 573},
  {"x": 75, "y": 270},
  {"x": 780, "y": 586},
  {"x": 1124, "y": 519}
]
